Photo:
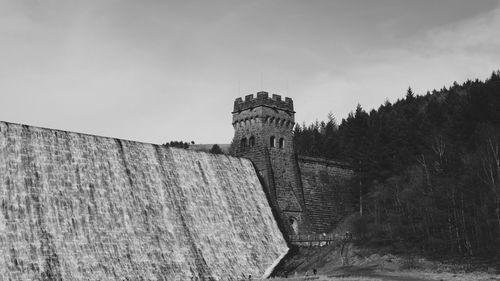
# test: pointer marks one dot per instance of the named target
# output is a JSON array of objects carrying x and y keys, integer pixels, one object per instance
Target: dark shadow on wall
[
  {"x": 278, "y": 269},
  {"x": 293, "y": 249},
  {"x": 274, "y": 207}
]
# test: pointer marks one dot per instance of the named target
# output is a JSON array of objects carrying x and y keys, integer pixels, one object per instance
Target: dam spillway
[{"x": 82, "y": 207}]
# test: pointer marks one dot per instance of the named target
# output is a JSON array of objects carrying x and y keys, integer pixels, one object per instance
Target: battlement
[{"x": 263, "y": 99}]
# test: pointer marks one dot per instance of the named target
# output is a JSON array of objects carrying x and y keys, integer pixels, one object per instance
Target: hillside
[{"x": 427, "y": 167}]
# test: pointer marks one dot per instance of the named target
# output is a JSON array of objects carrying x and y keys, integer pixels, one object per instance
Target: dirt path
[
  {"x": 371, "y": 273},
  {"x": 374, "y": 264}
]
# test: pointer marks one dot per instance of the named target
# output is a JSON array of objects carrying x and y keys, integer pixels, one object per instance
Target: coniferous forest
[{"x": 427, "y": 167}]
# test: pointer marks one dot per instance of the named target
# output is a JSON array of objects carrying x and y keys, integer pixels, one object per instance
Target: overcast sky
[{"x": 156, "y": 71}]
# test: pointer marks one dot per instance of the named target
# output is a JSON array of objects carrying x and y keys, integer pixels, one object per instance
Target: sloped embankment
[{"x": 378, "y": 263}]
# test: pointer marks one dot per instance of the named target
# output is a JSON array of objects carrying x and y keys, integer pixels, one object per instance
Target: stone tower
[{"x": 263, "y": 133}]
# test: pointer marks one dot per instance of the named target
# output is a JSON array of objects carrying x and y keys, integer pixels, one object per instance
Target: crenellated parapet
[
  {"x": 264, "y": 110},
  {"x": 263, "y": 99}
]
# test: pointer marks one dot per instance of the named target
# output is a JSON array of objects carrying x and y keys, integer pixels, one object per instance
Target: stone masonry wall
[{"x": 326, "y": 192}]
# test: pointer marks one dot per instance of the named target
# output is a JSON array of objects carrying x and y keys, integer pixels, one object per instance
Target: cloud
[
  {"x": 430, "y": 60},
  {"x": 479, "y": 35},
  {"x": 157, "y": 70}
]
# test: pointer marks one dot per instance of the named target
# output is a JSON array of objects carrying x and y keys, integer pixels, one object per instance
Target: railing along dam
[
  {"x": 82, "y": 207},
  {"x": 314, "y": 239}
]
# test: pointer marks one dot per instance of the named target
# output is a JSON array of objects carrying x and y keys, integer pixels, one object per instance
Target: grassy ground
[
  {"x": 357, "y": 263},
  {"x": 361, "y": 274}
]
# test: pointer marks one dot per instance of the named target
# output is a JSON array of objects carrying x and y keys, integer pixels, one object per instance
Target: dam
[{"x": 83, "y": 207}]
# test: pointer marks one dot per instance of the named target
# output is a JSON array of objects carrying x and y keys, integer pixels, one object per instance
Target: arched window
[
  {"x": 281, "y": 143},
  {"x": 272, "y": 141},
  {"x": 243, "y": 143},
  {"x": 251, "y": 141}
]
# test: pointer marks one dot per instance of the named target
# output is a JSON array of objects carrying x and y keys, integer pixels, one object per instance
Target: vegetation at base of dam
[
  {"x": 364, "y": 261},
  {"x": 427, "y": 168}
]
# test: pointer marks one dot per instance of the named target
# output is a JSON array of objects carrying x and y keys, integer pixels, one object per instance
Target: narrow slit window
[
  {"x": 243, "y": 144},
  {"x": 281, "y": 143},
  {"x": 272, "y": 142},
  {"x": 251, "y": 141}
]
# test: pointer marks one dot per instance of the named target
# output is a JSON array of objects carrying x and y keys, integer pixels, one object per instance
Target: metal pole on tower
[{"x": 262, "y": 81}]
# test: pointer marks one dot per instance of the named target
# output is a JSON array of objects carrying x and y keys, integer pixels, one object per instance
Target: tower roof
[{"x": 263, "y": 99}]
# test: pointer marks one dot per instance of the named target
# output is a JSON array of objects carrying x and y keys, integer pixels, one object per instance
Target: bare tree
[
  {"x": 423, "y": 163},
  {"x": 491, "y": 172},
  {"x": 439, "y": 147}
]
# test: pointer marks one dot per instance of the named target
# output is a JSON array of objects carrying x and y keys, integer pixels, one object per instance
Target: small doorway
[{"x": 294, "y": 224}]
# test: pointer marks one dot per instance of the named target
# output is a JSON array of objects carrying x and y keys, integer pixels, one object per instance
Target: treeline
[
  {"x": 178, "y": 144},
  {"x": 427, "y": 167}
]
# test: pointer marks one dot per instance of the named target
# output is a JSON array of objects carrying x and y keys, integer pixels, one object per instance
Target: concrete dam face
[{"x": 82, "y": 207}]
